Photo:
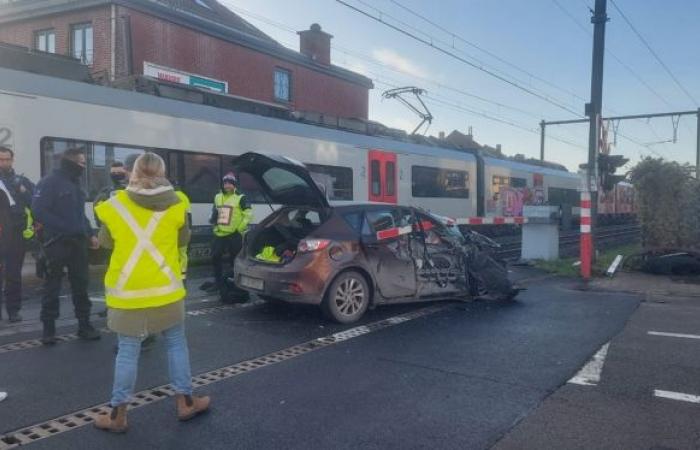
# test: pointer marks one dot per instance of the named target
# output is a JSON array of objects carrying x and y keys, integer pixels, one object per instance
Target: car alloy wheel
[{"x": 347, "y": 298}]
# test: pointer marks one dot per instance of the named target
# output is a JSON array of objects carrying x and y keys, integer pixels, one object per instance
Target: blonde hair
[{"x": 148, "y": 172}]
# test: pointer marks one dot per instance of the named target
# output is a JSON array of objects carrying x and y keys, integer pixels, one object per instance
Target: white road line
[
  {"x": 677, "y": 396},
  {"x": 589, "y": 375},
  {"x": 678, "y": 335}
]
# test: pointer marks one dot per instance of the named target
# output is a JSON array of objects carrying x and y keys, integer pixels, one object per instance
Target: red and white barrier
[
  {"x": 391, "y": 233},
  {"x": 491, "y": 220},
  {"x": 586, "y": 241}
]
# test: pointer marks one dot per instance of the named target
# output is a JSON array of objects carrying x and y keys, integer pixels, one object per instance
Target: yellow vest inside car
[{"x": 144, "y": 269}]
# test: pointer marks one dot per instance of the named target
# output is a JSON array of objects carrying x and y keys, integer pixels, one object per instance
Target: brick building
[{"x": 188, "y": 40}]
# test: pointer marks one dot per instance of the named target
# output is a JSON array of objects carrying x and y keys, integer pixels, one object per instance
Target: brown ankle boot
[
  {"x": 189, "y": 406},
  {"x": 114, "y": 422}
]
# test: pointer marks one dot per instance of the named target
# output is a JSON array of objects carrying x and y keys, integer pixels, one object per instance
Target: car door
[
  {"x": 440, "y": 266},
  {"x": 386, "y": 237}
]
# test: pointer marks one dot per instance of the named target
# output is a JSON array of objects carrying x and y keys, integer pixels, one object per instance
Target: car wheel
[{"x": 347, "y": 298}]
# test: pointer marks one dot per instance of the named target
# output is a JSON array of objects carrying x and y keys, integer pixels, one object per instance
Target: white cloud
[{"x": 398, "y": 62}]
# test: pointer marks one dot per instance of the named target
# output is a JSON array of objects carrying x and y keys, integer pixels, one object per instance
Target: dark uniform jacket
[
  {"x": 14, "y": 183},
  {"x": 4, "y": 216},
  {"x": 59, "y": 205}
]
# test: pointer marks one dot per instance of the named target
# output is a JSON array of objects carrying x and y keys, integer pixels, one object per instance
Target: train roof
[
  {"x": 40, "y": 85},
  {"x": 515, "y": 165}
]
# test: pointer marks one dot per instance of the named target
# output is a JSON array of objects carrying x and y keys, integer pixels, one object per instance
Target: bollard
[{"x": 586, "y": 242}]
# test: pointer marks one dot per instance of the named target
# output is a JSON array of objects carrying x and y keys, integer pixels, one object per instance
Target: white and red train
[{"x": 40, "y": 116}]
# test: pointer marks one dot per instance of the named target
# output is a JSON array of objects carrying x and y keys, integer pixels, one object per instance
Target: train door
[{"x": 382, "y": 176}]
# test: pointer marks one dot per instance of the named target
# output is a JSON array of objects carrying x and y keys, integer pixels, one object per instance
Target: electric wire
[
  {"x": 481, "y": 49},
  {"x": 651, "y": 50},
  {"x": 489, "y": 72}
]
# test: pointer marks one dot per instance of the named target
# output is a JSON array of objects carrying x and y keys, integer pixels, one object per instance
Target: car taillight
[{"x": 312, "y": 245}]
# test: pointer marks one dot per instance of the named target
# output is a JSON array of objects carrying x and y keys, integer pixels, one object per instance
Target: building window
[
  {"x": 336, "y": 181},
  {"x": 45, "y": 41},
  {"x": 283, "y": 83},
  {"x": 435, "y": 182},
  {"x": 81, "y": 42}
]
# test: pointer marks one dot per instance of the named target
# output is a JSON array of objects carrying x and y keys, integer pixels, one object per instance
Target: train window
[
  {"x": 375, "y": 177},
  {"x": 99, "y": 160},
  {"x": 498, "y": 181},
  {"x": 390, "y": 178},
  {"x": 201, "y": 176},
  {"x": 435, "y": 182},
  {"x": 336, "y": 181},
  {"x": 561, "y": 196},
  {"x": 518, "y": 182}
]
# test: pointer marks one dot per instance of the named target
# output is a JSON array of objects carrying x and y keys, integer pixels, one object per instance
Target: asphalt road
[{"x": 445, "y": 375}]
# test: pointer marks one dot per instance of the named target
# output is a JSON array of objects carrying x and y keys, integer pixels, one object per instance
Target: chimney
[{"x": 316, "y": 44}]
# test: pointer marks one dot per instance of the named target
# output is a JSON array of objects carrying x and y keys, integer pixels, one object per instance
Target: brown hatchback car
[{"x": 349, "y": 258}]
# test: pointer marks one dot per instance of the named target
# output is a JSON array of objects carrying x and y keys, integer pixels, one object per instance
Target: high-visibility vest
[
  {"x": 184, "y": 257},
  {"x": 144, "y": 269},
  {"x": 230, "y": 218}
]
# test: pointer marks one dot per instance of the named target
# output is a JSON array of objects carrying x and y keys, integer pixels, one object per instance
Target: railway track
[{"x": 569, "y": 241}]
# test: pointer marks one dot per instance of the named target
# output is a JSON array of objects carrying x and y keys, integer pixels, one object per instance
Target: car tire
[
  {"x": 347, "y": 298},
  {"x": 492, "y": 281}
]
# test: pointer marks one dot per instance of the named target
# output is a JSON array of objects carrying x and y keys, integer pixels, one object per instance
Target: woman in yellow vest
[
  {"x": 145, "y": 225},
  {"x": 230, "y": 217}
]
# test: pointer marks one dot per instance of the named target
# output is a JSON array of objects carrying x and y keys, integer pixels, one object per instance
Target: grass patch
[{"x": 566, "y": 267}]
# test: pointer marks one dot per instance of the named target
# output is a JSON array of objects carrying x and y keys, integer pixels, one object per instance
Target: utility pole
[
  {"x": 593, "y": 111},
  {"x": 542, "y": 125}
]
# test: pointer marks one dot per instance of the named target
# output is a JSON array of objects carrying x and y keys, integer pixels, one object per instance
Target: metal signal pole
[{"x": 593, "y": 111}]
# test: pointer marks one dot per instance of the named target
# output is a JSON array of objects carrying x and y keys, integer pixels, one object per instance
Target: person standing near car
[
  {"x": 146, "y": 225},
  {"x": 59, "y": 206},
  {"x": 119, "y": 174},
  {"x": 230, "y": 216},
  {"x": 20, "y": 189}
]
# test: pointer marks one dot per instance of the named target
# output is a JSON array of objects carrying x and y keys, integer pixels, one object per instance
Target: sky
[{"x": 542, "y": 46}]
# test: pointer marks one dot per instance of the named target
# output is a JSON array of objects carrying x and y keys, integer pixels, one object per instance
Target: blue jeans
[{"x": 127, "y": 364}]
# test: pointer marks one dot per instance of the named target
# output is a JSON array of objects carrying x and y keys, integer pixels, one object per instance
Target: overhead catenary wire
[
  {"x": 373, "y": 61},
  {"x": 485, "y": 51},
  {"x": 651, "y": 50},
  {"x": 458, "y": 108},
  {"x": 453, "y": 55}
]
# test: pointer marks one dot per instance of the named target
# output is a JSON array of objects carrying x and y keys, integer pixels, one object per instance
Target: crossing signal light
[{"x": 607, "y": 166}]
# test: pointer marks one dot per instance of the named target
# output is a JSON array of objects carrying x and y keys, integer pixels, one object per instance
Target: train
[{"x": 40, "y": 116}]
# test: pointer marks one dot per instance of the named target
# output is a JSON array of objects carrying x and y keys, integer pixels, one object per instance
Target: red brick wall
[
  {"x": 22, "y": 33},
  {"x": 249, "y": 73}
]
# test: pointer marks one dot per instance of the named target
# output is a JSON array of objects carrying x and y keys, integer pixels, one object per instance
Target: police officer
[
  {"x": 59, "y": 205},
  {"x": 230, "y": 216},
  {"x": 12, "y": 257}
]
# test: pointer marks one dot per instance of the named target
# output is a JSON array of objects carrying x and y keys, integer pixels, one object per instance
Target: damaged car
[{"x": 349, "y": 258}]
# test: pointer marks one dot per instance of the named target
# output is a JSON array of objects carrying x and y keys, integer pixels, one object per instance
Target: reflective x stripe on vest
[{"x": 143, "y": 244}]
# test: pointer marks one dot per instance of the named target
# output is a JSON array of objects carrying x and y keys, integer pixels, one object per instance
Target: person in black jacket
[
  {"x": 59, "y": 206},
  {"x": 12, "y": 256}
]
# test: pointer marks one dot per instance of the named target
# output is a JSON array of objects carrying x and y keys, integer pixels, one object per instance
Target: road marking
[
  {"x": 678, "y": 335},
  {"x": 78, "y": 419},
  {"x": 677, "y": 396},
  {"x": 589, "y": 375}
]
